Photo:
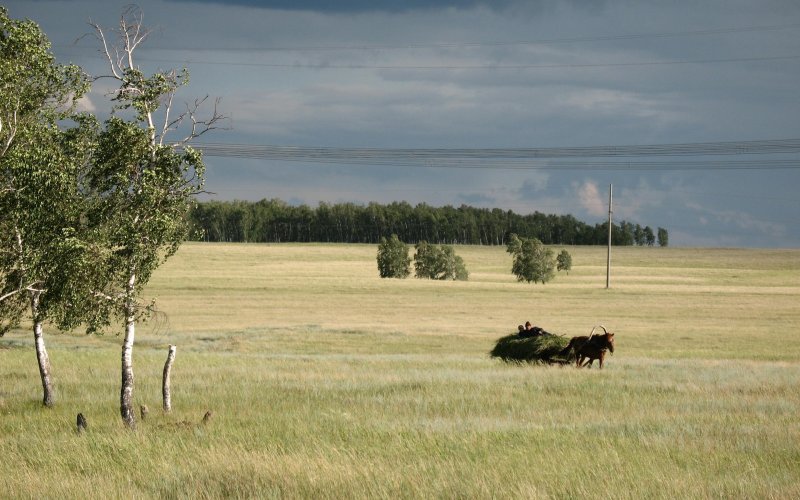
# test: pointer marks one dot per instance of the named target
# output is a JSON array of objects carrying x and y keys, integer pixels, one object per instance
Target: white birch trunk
[
  {"x": 41, "y": 352},
  {"x": 126, "y": 390},
  {"x": 165, "y": 383}
]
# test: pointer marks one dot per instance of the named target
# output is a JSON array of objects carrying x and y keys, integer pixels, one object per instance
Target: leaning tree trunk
[
  {"x": 126, "y": 390},
  {"x": 41, "y": 352}
]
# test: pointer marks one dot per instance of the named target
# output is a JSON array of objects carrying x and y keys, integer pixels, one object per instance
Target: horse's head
[{"x": 609, "y": 341}]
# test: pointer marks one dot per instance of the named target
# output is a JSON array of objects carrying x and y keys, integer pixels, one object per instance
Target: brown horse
[{"x": 591, "y": 347}]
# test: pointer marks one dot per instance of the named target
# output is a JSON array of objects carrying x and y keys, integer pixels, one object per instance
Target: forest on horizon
[{"x": 275, "y": 221}]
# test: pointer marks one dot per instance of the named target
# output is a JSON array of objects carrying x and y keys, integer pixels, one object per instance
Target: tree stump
[
  {"x": 165, "y": 383},
  {"x": 81, "y": 423}
]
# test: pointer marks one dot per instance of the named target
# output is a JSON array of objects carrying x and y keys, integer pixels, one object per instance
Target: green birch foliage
[
  {"x": 532, "y": 261},
  {"x": 32, "y": 86},
  {"x": 40, "y": 163},
  {"x": 141, "y": 195}
]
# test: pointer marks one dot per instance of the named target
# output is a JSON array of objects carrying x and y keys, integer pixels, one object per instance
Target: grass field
[{"x": 326, "y": 381}]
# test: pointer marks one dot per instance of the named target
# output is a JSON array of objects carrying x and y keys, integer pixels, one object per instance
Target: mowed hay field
[{"x": 326, "y": 381}]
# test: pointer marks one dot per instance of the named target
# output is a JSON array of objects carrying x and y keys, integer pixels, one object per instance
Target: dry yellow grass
[
  {"x": 732, "y": 300},
  {"x": 328, "y": 382}
]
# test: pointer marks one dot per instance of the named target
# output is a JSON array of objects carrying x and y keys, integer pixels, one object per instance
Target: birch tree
[
  {"x": 143, "y": 186},
  {"x": 438, "y": 262},
  {"x": 532, "y": 261},
  {"x": 39, "y": 165},
  {"x": 393, "y": 259}
]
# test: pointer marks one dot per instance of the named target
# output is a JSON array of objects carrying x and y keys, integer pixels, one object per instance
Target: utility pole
[{"x": 608, "y": 262}]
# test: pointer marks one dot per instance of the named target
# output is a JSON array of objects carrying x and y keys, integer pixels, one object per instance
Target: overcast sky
[{"x": 501, "y": 74}]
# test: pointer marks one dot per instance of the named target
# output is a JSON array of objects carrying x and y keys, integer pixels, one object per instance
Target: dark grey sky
[
  {"x": 352, "y": 6},
  {"x": 470, "y": 74}
]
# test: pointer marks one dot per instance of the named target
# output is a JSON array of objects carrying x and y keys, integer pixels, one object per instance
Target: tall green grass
[{"x": 327, "y": 382}]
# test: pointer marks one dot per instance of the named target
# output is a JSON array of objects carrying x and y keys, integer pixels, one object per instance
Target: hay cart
[{"x": 545, "y": 349}]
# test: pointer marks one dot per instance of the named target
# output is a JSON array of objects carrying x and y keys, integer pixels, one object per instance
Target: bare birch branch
[
  {"x": 100, "y": 35},
  {"x": 9, "y": 295},
  {"x": 200, "y": 127},
  {"x": 167, "y": 111},
  {"x": 121, "y": 59}
]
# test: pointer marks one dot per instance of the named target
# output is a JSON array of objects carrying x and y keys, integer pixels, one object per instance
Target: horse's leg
[
  {"x": 602, "y": 356},
  {"x": 578, "y": 360}
]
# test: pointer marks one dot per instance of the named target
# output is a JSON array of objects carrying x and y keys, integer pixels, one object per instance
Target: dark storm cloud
[{"x": 351, "y": 6}]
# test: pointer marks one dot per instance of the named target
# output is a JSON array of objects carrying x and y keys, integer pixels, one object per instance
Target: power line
[
  {"x": 328, "y": 66},
  {"x": 694, "y": 148},
  {"x": 376, "y": 47},
  {"x": 522, "y": 158},
  {"x": 445, "y": 45},
  {"x": 560, "y": 165}
]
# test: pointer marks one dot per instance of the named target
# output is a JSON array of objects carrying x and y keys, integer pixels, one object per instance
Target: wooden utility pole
[{"x": 608, "y": 262}]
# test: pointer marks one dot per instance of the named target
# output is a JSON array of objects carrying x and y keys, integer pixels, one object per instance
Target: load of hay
[{"x": 539, "y": 349}]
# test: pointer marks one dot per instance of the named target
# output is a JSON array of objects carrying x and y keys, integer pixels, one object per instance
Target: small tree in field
[
  {"x": 649, "y": 237},
  {"x": 456, "y": 269},
  {"x": 428, "y": 262},
  {"x": 532, "y": 261},
  {"x": 40, "y": 164},
  {"x": 393, "y": 259},
  {"x": 564, "y": 261},
  {"x": 438, "y": 262},
  {"x": 663, "y": 237},
  {"x": 141, "y": 190}
]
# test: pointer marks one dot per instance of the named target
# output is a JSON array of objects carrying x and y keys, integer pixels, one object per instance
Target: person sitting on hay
[{"x": 530, "y": 331}]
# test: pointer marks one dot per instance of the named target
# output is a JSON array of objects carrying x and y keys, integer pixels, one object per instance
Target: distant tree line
[{"x": 274, "y": 221}]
